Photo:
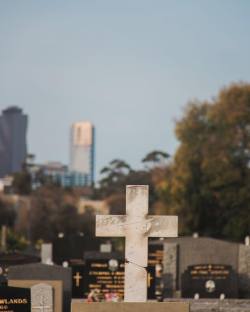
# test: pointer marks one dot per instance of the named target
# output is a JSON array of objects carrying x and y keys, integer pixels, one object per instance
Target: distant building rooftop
[{"x": 12, "y": 110}]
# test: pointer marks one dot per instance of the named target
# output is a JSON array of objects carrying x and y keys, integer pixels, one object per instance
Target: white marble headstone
[{"x": 42, "y": 298}]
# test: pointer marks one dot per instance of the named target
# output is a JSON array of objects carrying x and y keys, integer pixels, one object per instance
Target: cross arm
[
  {"x": 110, "y": 225},
  {"x": 162, "y": 226}
]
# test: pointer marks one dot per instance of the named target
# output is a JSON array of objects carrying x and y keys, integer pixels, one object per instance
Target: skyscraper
[
  {"x": 82, "y": 150},
  {"x": 13, "y": 147}
]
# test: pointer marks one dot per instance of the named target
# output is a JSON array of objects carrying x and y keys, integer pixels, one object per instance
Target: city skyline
[{"x": 129, "y": 68}]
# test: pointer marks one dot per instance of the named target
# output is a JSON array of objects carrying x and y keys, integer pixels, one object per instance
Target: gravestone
[
  {"x": 105, "y": 272},
  {"x": 42, "y": 272},
  {"x": 155, "y": 260},
  {"x": 209, "y": 281},
  {"x": 78, "y": 281},
  {"x": 56, "y": 286},
  {"x": 14, "y": 299},
  {"x": 136, "y": 226},
  {"x": 42, "y": 298},
  {"x": 47, "y": 254}
]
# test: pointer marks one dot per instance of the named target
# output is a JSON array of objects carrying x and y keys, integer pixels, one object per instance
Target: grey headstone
[
  {"x": 42, "y": 298},
  {"x": 39, "y": 271}
]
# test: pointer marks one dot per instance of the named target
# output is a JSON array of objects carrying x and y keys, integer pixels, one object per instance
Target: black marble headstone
[
  {"x": 209, "y": 281},
  {"x": 14, "y": 299},
  {"x": 78, "y": 281}
]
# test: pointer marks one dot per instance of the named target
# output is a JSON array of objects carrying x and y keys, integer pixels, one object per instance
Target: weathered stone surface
[
  {"x": 211, "y": 305},
  {"x": 244, "y": 270},
  {"x": 80, "y": 306},
  {"x": 170, "y": 255},
  {"x": 57, "y": 291},
  {"x": 42, "y": 298},
  {"x": 136, "y": 226},
  {"x": 46, "y": 254}
]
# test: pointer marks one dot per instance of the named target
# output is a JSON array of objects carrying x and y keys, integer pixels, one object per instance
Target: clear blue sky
[{"x": 129, "y": 66}]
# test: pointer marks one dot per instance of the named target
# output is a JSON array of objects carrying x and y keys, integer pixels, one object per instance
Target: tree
[
  {"x": 53, "y": 211},
  {"x": 155, "y": 158},
  {"x": 209, "y": 184},
  {"x": 113, "y": 176},
  {"x": 22, "y": 183},
  {"x": 7, "y": 213}
]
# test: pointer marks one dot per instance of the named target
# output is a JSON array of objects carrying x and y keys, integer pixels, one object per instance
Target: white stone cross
[{"x": 136, "y": 226}]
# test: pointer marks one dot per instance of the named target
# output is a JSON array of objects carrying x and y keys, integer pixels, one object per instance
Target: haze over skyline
[{"x": 127, "y": 66}]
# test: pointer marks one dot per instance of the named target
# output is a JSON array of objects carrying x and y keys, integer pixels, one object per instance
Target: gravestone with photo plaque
[{"x": 209, "y": 281}]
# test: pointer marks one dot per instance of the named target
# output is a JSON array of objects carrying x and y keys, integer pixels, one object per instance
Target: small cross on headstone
[
  {"x": 77, "y": 278},
  {"x": 136, "y": 226}
]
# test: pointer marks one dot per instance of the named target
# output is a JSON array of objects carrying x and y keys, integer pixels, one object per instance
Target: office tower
[
  {"x": 13, "y": 147},
  {"x": 82, "y": 151}
]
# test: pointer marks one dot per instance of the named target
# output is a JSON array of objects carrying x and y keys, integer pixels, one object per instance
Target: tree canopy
[{"x": 209, "y": 184}]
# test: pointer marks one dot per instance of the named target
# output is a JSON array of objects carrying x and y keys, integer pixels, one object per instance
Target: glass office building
[
  {"x": 13, "y": 146},
  {"x": 82, "y": 151}
]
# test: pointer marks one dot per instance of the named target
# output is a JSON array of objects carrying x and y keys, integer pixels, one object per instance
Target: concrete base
[{"x": 80, "y": 306}]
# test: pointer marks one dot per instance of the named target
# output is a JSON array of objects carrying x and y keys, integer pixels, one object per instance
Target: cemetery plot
[
  {"x": 209, "y": 281},
  {"x": 14, "y": 299}
]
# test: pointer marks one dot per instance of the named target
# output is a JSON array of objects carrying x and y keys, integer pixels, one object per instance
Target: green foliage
[
  {"x": 16, "y": 242},
  {"x": 156, "y": 157},
  {"x": 22, "y": 183},
  {"x": 209, "y": 186},
  {"x": 118, "y": 174}
]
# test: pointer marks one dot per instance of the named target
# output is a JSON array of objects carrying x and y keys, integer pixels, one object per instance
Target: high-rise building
[
  {"x": 13, "y": 147},
  {"x": 82, "y": 150}
]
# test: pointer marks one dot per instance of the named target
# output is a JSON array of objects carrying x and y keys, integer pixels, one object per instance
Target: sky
[{"x": 130, "y": 67}]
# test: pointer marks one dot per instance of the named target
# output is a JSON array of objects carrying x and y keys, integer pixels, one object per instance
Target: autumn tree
[{"x": 209, "y": 182}]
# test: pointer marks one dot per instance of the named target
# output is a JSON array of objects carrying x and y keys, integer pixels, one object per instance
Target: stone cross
[
  {"x": 136, "y": 226},
  {"x": 41, "y": 298}
]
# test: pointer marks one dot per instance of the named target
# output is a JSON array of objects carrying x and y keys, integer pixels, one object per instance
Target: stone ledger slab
[{"x": 80, "y": 306}]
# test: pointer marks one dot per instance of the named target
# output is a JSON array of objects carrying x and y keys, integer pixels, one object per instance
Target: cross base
[{"x": 81, "y": 306}]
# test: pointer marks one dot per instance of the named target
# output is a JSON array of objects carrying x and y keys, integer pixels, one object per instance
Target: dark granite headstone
[
  {"x": 105, "y": 272},
  {"x": 78, "y": 279},
  {"x": 45, "y": 272},
  {"x": 155, "y": 269},
  {"x": 209, "y": 281},
  {"x": 73, "y": 247},
  {"x": 106, "y": 275},
  {"x": 14, "y": 299}
]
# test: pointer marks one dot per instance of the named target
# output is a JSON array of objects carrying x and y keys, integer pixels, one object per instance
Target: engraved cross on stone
[
  {"x": 42, "y": 307},
  {"x": 136, "y": 226}
]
